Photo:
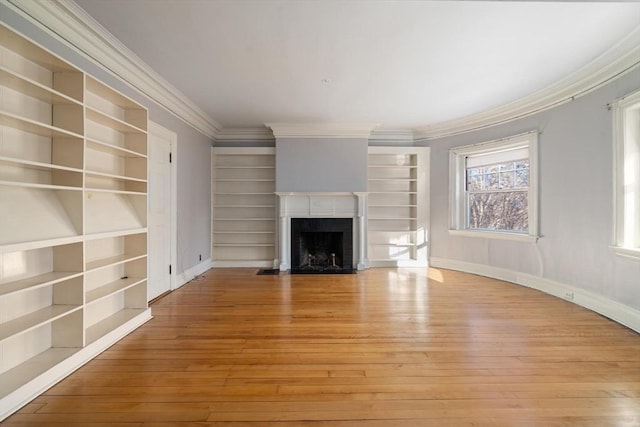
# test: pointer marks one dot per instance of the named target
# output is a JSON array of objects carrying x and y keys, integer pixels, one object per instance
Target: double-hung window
[
  {"x": 626, "y": 127},
  {"x": 493, "y": 188}
]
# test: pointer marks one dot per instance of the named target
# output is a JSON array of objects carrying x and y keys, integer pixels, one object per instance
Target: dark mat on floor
[{"x": 268, "y": 272}]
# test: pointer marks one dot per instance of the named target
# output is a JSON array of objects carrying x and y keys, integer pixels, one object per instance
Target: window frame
[
  {"x": 623, "y": 245},
  {"x": 457, "y": 187}
]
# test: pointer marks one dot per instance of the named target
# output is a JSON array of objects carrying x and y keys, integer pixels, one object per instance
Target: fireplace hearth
[{"x": 321, "y": 246}]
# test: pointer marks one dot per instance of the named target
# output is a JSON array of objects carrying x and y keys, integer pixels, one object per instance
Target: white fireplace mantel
[{"x": 323, "y": 205}]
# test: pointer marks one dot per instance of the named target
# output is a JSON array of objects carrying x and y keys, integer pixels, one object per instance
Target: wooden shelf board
[
  {"x": 40, "y": 186},
  {"x": 117, "y": 233},
  {"x": 33, "y": 320},
  {"x": 34, "y": 89},
  {"x": 39, "y": 244},
  {"x": 125, "y": 192},
  {"x": 110, "y": 121},
  {"x": 103, "y": 327},
  {"x": 28, "y": 370},
  {"x": 37, "y": 281},
  {"x": 114, "y": 260},
  {"x": 116, "y": 98},
  {"x": 118, "y": 177},
  {"x": 112, "y": 288},
  {"x": 105, "y": 147},
  {"x": 38, "y": 165},
  {"x": 34, "y": 127}
]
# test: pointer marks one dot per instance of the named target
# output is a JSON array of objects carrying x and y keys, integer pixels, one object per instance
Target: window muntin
[{"x": 493, "y": 188}]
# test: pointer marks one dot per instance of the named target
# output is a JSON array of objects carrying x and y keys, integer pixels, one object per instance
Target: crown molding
[
  {"x": 322, "y": 130},
  {"x": 69, "y": 23},
  {"x": 244, "y": 135},
  {"x": 392, "y": 136},
  {"x": 620, "y": 59}
]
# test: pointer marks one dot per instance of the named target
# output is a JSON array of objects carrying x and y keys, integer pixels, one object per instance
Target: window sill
[
  {"x": 495, "y": 235},
  {"x": 627, "y": 252}
]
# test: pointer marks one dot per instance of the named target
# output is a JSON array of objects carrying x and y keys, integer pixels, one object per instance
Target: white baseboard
[
  {"x": 243, "y": 264},
  {"x": 618, "y": 312},
  {"x": 190, "y": 273}
]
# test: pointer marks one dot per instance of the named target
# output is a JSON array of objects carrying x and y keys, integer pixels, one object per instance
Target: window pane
[
  {"x": 504, "y": 211},
  {"x": 507, "y": 179},
  {"x": 474, "y": 179},
  {"x": 522, "y": 178}
]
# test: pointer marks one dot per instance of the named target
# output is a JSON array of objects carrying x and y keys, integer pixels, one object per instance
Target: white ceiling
[{"x": 402, "y": 64}]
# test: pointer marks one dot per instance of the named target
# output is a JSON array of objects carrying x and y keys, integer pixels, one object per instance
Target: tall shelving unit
[
  {"x": 73, "y": 218},
  {"x": 244, "y": 207},
  {"x": 397, "y": 206}
]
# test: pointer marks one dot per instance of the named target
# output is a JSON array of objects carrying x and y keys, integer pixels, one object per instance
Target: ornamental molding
[
  {"x": 65, "y": 21},
  {"x": 615, "y": 62},
  {"x": 322, "y": 130}
]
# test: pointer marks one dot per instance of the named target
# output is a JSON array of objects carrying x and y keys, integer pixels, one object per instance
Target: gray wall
[
  {"x": 321, "y": 164},
  {"x": 576, "y": 200},
  {"x": 193, "y": 154}
]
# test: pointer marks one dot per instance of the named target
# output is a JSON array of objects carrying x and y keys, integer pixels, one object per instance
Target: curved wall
[{"x": 572, "y": 259}]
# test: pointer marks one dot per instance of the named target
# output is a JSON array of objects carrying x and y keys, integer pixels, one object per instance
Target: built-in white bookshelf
[
  {"x": 397, "y": 206},
  {"x": 73, "y": 218},
  {"x": 244, "y": 207}
]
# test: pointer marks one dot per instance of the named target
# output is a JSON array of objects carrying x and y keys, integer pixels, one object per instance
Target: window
[
  {"x": 493, "y": 188},
  {"x": 626, "y": 127}
]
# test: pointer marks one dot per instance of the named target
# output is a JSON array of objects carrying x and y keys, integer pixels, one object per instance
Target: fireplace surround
[{"x": 347, "y": 207}]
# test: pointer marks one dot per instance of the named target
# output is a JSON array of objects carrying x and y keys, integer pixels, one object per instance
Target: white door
[{"x": 161, "y": 143}]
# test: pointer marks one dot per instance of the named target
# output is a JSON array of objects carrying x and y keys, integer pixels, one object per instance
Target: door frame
[{"x": 173, "y": 138}]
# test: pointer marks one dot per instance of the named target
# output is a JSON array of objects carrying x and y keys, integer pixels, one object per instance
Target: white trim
[
  {"x": 65, "y": 21},
  {"x": 32, "y": 389},
  {"x": 389, "y": 136},
  {"x": 457, "y": 193},
  {"x": 629, "y": 253},
  {"x": 154, "y": 127},
  {"x": 192, "y": 272},
  {"x": 618, "y": 60},
  {"x": 618, "y": 312},
  {"x": 243, "y": 264},
  {"x": 500, "y": 235},
  {"x": 625, "y": 146},
  {"x": 245, "y": 134},
  {"x": 322, "y": 130}
]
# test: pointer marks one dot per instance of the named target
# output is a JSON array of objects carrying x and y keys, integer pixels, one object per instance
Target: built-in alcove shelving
[
  {"x": 73, "y": 218},
  {"x": 244, "y": 207},
  {"x": 396, "y": 212}
]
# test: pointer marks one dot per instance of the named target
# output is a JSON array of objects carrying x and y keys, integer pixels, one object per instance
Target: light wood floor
[{"x": 384, "y": 347}]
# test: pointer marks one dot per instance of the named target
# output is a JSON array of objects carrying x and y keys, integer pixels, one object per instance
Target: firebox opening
[{"x": 321, "y": 245}]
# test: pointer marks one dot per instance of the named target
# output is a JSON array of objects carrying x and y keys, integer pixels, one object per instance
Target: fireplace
[{"x": 321, "y": 246}]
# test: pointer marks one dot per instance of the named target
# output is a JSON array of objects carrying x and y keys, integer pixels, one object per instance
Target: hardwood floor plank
[{"x": 384, "y": 347}]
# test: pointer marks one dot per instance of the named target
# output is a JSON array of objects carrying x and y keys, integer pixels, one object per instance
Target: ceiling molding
[
  {"x": 322, "y": 130},
  {"x": 392, "y": 136},
  {"x": 68, "y": 22},
  {"x": 620, "y": 59},
  {"x": 244, "y": 135}
]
